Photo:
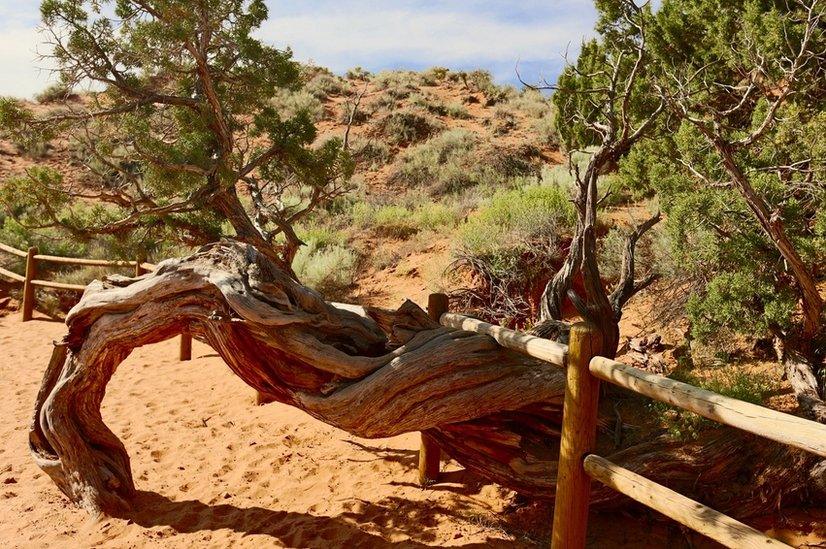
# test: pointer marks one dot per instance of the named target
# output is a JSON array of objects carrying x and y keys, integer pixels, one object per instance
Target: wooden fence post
[
  {"x": 139, "y": 270},
  {"x": 186, "y": 345},
  {"x": 28, "y": 287},
  {"x": 429, "y": 452},
  {"x": 579, "y": 427}
]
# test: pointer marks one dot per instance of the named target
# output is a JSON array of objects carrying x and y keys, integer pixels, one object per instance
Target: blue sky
[{"x": 340, "y": 34}]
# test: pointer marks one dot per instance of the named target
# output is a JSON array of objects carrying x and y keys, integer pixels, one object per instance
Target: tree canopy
[{"x": 180, "y": 118}]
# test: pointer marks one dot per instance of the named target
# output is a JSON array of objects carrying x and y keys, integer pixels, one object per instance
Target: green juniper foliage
[
  {"x": 723, "y": 65},
  {"x": 182, "y": 118}
]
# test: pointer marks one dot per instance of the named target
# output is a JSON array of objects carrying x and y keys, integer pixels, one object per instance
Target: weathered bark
[
  {"x": 628, "y": 285},
  {"x": 378, "y": 374},
  {"x": 800, "y": 372}
]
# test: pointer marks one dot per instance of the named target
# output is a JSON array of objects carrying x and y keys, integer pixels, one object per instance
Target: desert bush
[
  {"x": 408, "y": 126},
  {"x": 513, "y": 221},
  {"x": 509, "y": 245},
  {"x": 445, "y": 162},
  {"x": 358, "y": 73},
  {"x": 435, "y": 106},
  {"x": 53, "y": 93},
  {"x": 459, "y": 159},
  {"x": 370, "y": 153},
  {"x": 397, "y": 84},
  {"x": 511, "y": 161},
  {"x": 435, "y": 74},
  {"x": 32, "y": 148},
  {"x": 503, "y": 121},
  {"x": 481, "y": 81},
  {"x": 531, "y": 102},
  {"x": 399, "y": 221},
  {"x": 325, "y": 265},
  {"x": 457, "y": 111},
  {"x": 545, "y": 130},
  {"x": 324, "y": 84},
  {"x": 291, "y": 103},
  {"x": 363, "y": 114}
]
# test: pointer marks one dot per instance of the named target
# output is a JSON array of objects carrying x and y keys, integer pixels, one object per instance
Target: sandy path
[{"x": 214, "y": 470}]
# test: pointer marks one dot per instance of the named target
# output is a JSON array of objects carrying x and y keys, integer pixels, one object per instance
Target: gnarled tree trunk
[{"x": 374, "y": 375}]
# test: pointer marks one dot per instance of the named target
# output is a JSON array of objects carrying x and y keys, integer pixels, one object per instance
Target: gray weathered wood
[{"x": 371, "y": 372}]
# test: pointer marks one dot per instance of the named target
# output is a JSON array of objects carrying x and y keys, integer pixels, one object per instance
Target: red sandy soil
[{"x": 214, "y": 470}]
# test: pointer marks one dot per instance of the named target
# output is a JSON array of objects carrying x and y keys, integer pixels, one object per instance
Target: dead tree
[{"x": 377, "y": 374}]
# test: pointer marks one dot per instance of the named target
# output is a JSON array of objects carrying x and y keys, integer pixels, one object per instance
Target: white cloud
[
  {"x": 369, "y": 37},
  {"x": 340, "y": 34}
]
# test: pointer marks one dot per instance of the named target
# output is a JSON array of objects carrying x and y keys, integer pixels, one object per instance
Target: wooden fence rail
[
  {"x": 759, "y": 420},
  {"x": 577, "y": 465},
  {"x": 30, "y": 282}
]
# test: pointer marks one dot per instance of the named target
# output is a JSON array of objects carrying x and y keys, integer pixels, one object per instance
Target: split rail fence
[
  {"x": 578, "y": 465},
  {"x": 31, "y": 282}
]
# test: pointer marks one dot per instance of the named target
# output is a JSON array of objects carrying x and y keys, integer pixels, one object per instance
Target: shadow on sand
[{"x": 292, "y": 529}]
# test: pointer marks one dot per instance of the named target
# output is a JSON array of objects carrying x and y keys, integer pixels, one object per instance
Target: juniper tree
[
  {"x": 604, "y": 108},
  {"x": 741, "y": 172},
  {"x": 178, "y": 123}
]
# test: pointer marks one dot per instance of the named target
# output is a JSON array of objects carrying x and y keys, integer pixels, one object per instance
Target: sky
[{"x": 497, "y": 35}]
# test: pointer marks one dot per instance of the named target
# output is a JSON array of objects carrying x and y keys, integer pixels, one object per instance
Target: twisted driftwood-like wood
[{"x": 376, "y": 374}]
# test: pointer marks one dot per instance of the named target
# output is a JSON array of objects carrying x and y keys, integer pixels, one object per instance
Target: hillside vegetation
[{"x": 449, "y": 167}]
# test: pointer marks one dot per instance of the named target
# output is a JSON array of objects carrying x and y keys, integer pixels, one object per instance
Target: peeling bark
[{"x": 376, "y": 374}]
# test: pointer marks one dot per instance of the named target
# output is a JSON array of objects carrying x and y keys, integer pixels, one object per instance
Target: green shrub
[
  {"x": 363, "y": 113},
  {"x": 481, "y": 81},
  {"x": 291, "y": 103},
  {"x": 446, "y": 162},
  {"x": 54, "y": 93},
  {"x": 509, "y": 246},
  {"x": 532, "y": 103},
  {"x": 429, "y": 103},
  {"x": 398, "y": 221},
  {"x": 545, "y": 130},
  {"x": 397, "y": 84},
  {"x": 370, "y": 153},
  {"x": 328, "y": 267},
  {"x": 324, "y": 84},
  {"x": 408, "y": 126},
  {"x": 457, "y": 111},
  {"x": 459, "y": 159},
  {"x": 320, "y": 237},
  {"x": 503, "y": 121},
  {"x": 435, "y": 74},
  {"x": 515, "y": 222},
  {"x": 358, "y": 73}
]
